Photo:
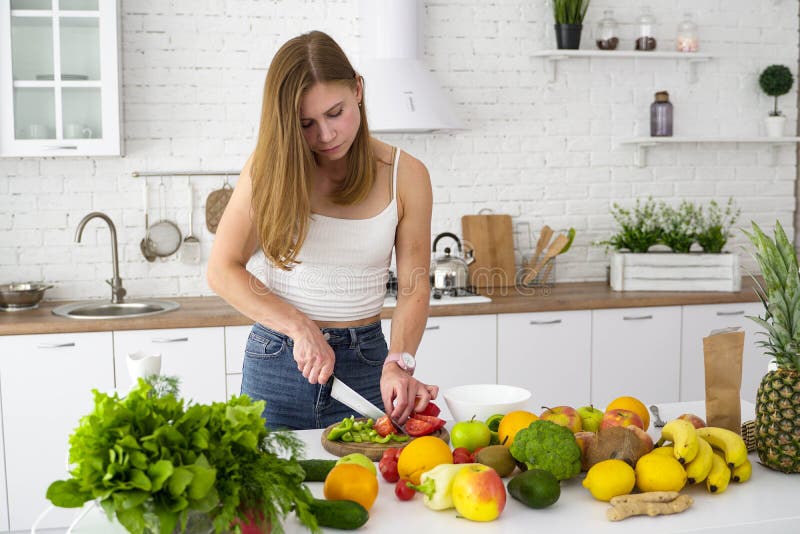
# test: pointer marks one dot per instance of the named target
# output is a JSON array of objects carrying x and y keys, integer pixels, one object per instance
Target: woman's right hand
[{"x": 313, "y": 354}]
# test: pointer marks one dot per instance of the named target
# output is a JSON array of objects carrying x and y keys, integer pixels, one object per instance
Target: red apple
[
  {"x": 620, "y": 417},
  {"x": 585, "y": 440},
  {"x": 478, "y": 493},
  {"x": 692, "y": 418},
  {"x": 644, "y": 436},
  {"x": 564, "y": 416}
]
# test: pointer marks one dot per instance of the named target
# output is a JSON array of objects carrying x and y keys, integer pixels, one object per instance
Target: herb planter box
[{"x": 668, "y": 271}]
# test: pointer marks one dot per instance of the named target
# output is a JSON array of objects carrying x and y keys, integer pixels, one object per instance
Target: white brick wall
[{"x": 192, "y": 75}]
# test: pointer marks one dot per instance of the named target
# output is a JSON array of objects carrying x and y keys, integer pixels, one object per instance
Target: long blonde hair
[{"x": 283, "y": 164}]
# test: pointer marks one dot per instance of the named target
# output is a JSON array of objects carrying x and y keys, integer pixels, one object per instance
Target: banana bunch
[{"x": 711, "y": 454}]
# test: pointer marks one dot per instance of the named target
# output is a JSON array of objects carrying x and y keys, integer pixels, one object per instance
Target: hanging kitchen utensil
[
  {"x": 215, "y": 206},
  {"x": 164, "y": 235},
  {"x": 146, "y": 246},
  {"x": 191, "y": 251}
]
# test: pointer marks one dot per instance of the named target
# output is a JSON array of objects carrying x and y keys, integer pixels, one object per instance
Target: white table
[{"x": 767, "y": 503}]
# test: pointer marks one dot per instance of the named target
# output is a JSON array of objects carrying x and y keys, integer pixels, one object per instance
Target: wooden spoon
[
  {"x": 544, "y": 239},
  {"x": 555, "y": 247}
]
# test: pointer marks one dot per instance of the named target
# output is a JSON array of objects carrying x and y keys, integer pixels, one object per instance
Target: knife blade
[{"x": 352, "y": 399}]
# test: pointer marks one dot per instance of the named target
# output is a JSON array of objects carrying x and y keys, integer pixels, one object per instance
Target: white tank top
[{"x": 345, "y": 265}]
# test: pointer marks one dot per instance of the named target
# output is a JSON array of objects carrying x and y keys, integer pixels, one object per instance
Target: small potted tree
[
  {"x": 568, "y": 15},
  {"x": 776, "y": 80}
]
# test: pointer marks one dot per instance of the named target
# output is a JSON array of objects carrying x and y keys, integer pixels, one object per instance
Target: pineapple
[{"x": 778, "y": 399}]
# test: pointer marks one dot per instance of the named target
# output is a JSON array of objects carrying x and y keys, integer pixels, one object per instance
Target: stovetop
[{"x": 439, "y": 297}]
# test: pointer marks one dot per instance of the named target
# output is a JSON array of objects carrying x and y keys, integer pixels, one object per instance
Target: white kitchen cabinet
[
  {"x": 59, "y": 78},
  {"x": 235, "y": 343},
  {"x": 195, "y": 355},
  {"x": 456, "y": 350},
  {"x": 547, "y": 353},
  {"x": 698, "y": 322},
  {"x": 636, "y": 351},
  {"x": 46, "y": 382}
]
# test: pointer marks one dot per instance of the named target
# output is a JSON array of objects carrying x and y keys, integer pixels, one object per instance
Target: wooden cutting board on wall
[{"x": 491, "y": 238}]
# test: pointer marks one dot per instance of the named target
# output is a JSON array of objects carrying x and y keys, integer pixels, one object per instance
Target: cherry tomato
[
  {"x": 383, "y": 426},
  {"x": 402, "y": 491},
  {"x": 392, "y": 453},
  {"x": 461, "y": 455},
  {"x": 388, "y": 469}
]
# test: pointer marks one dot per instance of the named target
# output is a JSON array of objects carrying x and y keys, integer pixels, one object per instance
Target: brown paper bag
[{"x": 723, "y": 365}]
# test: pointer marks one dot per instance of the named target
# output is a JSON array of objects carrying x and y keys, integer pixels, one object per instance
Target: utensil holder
[{"x": 546, "y": 277}]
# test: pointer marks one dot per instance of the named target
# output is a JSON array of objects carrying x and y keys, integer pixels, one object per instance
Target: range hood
[{"x": 402, "y": 94}]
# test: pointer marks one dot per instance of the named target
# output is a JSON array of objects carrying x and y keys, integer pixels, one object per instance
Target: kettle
[{"x": 449, "y": 272}]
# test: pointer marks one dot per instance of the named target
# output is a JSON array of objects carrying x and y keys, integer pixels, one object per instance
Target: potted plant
[
  {"x": 776, "y": 80},
  {"x": 636, "y": 265},
  {"x": 568, "y": 15},
  {"x": 156, "y": 465},
  {"x": 777, "y": 403}
]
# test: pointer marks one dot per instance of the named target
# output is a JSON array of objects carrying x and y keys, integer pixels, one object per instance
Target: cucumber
[
  {"x": 344, "y": 515},
  {"x": 316, "y": 470}
]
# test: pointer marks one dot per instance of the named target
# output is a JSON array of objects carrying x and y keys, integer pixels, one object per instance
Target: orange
[
  {"x": 422, "y": 454},
  {"x": 634, "y": 405},
  {"x": 351, "y": 482},
  {"x": 512, "y": 423}
]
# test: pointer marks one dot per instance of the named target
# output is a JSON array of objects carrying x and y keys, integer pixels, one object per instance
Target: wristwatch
[{"x": 404, "y": 361}]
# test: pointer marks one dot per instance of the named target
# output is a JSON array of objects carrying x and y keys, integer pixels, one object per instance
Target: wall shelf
[
  {"x": 552, "y": 58},
  {"x": 643, "y": 143}
]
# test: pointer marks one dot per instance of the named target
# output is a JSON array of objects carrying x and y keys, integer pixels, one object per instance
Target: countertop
[
  {"x": 213, "y": 311},
  {"x": 765, "y": 504}
]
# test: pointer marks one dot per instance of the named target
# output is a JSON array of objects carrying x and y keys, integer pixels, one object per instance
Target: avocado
[
  {"x": 535, "y": 488},
  {"x": 498, "y": 458}
]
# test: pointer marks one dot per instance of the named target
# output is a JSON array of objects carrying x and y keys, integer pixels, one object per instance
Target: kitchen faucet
[{"x": 117, "y": 291}]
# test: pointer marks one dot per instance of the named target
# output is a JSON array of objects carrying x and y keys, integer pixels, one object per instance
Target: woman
[{"x": 326, "y": 203}]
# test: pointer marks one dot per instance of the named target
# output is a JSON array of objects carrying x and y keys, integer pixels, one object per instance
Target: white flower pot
[
  {"x": 775, "y": 125},
  {"x": 669, "y": 271}
]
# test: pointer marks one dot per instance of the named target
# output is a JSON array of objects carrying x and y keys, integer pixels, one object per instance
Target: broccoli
[{"x": 546, "y": 445}]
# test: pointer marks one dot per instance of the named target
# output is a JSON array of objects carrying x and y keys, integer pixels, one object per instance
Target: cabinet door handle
[
  {"x": 554, "y": 321},
  {"x": 636, "y": 317},
  {"x": 170, "y": 339},
  {"x": 61, "y": 147},
  {"x": 737, "y": 312},
  {"x": 432, "y": 327},
  {"x": 55, "y": 345}
]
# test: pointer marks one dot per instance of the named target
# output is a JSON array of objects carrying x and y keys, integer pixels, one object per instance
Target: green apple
[
  {"x": 358, "y": 459},
  {"x": 591, "y": 418},
  {"x": 470, "y": 434}
]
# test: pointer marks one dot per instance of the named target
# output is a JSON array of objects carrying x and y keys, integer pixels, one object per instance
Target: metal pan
[{"x": 18, "y": 296}]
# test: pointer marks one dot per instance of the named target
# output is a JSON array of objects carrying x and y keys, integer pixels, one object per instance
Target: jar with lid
[
  {"x": 687, "y": 35},
  {"x": 606, "y": 33},
  {"x": 661, "y": 116},
  {"x": 646, "y": 26}
]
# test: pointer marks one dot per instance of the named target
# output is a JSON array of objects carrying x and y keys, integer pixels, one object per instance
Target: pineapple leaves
[{"x": 780, "y": 295}]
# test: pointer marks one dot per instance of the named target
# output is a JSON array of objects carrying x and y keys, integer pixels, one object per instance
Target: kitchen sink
[{"x": 110, "y": 310}]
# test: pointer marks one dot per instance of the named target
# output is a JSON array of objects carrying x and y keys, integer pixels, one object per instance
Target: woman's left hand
[{"x": 401, "y": 392}]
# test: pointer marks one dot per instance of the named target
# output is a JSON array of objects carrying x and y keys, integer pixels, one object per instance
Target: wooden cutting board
[
  {"x": 373, "y": 451},
  {"x": 491, "y": 237}
]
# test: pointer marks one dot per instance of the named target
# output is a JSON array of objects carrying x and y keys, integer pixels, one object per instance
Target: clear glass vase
[
  {"x": 687, "y": 40},
  {"x": 606, "y": 32},
  {"x": 646, "y": 29}
]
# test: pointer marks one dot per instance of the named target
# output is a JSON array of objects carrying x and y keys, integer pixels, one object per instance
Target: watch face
[{"x": 409, "y": 360}]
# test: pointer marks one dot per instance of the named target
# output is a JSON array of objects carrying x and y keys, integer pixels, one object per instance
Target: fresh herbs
[
  {"x": 570, "y": 11},
  {"x": 650, "y": 223},
  {"x": 150, "y": 460}
]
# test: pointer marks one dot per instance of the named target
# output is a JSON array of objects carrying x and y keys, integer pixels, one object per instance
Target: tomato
[
  {"x": 383, "y": 426},
  {"x": 432, "y": 419},
  {"x": 388, "y": 469},
  {"x": 391, "y": 453},
  {"x": 351, "y": 482},
  {"x": 402, "y": 491},
  {"x": 461, "y": 455},
  {"x": 430, "y": 409},
  {"x": 418, "y": 427}
]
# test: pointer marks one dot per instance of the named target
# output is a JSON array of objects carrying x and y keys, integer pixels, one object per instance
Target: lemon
[
  {"x": 659, "y": 472},
  {"x": 666, "y": 450},
  {"x": 609, "y": 478}
]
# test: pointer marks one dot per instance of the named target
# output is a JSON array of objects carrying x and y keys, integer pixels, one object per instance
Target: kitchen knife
[{"x": 350, "y": 398}]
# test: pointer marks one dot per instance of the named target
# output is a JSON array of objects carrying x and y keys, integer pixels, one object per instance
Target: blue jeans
[{"x": 270, "y": 373}]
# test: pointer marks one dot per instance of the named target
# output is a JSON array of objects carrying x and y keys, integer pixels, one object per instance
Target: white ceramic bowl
[{"x": 484, "y": 400}]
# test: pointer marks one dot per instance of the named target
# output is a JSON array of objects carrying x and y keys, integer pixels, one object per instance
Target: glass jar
[
  {"x": 606, "y": 33},
  {"x": 646, "y": 26},
  {"x": 687, "y": 35},
  {"x": 661, "y": 116}
]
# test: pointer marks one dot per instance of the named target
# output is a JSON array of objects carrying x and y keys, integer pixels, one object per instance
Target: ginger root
[
  {"x": 631, "y": 505},
  {"x": 648, "y": 496}
]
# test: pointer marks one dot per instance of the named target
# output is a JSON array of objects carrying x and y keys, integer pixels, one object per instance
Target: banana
[
  {"x": 720, "y": 475},
  {"x": 742, "y": 473},
  {"x": 698, "y": 469},
  {"x": 730, "y": 443},
  {"x": 683, "y": 436}
]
